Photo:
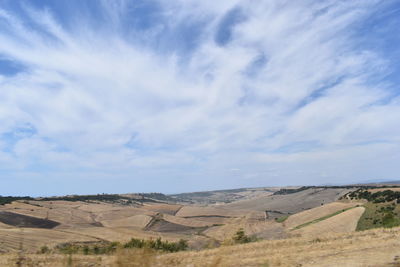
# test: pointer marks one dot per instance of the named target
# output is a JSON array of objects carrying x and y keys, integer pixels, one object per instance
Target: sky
[{"x": 182, "y": 95}]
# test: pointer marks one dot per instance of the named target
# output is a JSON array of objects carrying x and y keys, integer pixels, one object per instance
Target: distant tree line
[
  {"x": 377, "y": 197},
  {"x": 8, "y": 199}
]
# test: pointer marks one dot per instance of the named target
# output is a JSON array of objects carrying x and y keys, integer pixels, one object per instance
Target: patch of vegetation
[
  {"x": 378, "y": 215},
  {"x": 240, "y": 237},
  {"x": 44, "y": 250},
  {"x": 88, "y": 248},
  {"x": 99, "y": 248},
  {"x": 8, "y": 199},
  {"x": 377, "y": 197},
  {"x": 321, "y": 219},
  {"x": 157, "y": 244},
  {"x": 281, "y": 219}
]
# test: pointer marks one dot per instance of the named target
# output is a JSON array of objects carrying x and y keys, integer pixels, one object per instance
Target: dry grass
[
  {"x": 344, "y": 222},
  {"x": 139, "y": 221},
  {"x": 33, "y": 239},
  {"x": 187, "y": 222},
  {"x": 80, "y": 221},
  {"x": 194, "y": 211},
  {"x": 369, "y": 248},
  {"x": 170, "y": 209},
  {"x": 290, "y": 203},
  {"x": 135, "y": 258},
  {"x": 379, "y": 247},
  {"x": 315, "y": 213}
]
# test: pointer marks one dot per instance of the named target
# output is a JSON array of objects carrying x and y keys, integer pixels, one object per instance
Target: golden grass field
[
  {"x": 370, "y": 248},
  {"x": 379, "y": 247},
  {"x": 345, "y": 222}
]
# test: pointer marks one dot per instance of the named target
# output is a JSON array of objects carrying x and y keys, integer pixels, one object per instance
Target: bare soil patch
[{"x": 19, "y": 220}]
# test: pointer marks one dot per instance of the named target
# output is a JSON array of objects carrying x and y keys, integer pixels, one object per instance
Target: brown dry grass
[
  {"x": 290, "y": 203},
  {"x": 379, "y": 247},
  {"x": 80, "y": 221},
  {"x": 170, "y": 209},
  {"x": 33, "y": 239},
  {"x": 369, "y": 248},
  {"x": 187, "y": 222},
  {"x": 344, "y": 222},
  {"x": 139, "y": 221},
  {"x": 315, "y": 213},
  {"x": 191, "y": 211}
]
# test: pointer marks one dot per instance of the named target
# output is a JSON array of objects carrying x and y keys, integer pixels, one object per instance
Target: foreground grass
[
  {"x": 321, "y": 219},
  {"x": 378, "y": 247}
]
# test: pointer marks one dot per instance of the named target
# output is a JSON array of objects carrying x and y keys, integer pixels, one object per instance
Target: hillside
[
  {"x": 368, "y": 248},
  {"x": 281, "y": 220}
]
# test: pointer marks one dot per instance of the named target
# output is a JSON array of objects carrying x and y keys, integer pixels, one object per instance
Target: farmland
[{"x": 310, "y": 217}]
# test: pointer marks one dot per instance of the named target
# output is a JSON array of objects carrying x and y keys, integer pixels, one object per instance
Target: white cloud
[{"x": 99, "y": 101}]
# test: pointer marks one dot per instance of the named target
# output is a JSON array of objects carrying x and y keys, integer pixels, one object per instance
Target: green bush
[
  {"x": 240, "y": 237},
  {"x": 157, "y": 244}
]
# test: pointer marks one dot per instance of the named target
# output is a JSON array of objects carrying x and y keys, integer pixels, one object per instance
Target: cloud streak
[{"x": 177, "y": 91}]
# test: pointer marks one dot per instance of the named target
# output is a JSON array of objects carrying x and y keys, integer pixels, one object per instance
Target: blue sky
[{"x": 184, "y": 95}]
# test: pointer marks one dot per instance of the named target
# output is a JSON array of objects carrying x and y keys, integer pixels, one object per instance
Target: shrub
[
  {"x": 44, "y": 249},
  {"x": 240, "y": 237},
  {"x": 157, "y": 244}
]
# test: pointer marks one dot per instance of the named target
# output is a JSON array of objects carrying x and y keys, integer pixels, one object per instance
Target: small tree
[{"x": 240, "y": 237}]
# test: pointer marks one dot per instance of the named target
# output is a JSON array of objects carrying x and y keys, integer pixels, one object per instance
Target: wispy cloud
[{"x": 167, "y": 90}]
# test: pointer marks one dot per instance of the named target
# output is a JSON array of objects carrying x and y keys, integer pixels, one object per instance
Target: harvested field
[
  {"x": 163, "y": 226},
  {"x": 344, "y": 222},
  {"x": 224, "y": 196},
  {"x": 60, "y": 212},
  {"x": 207, "y": 211},
  {"x": 211, "y": 219},
  {"x": 19, "y": 220},
  {"x": 139, "y": 221},
  {"x": 263, "y": 229},
  {"x": 315, "y": 213},
  {"x": 279, "y": 205},
  {"x": 169, "y": 209},
  {"x": 191, "y": 222},
  {"x": 121, "y": 213},
  {"x": 32, "y": 239}
]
